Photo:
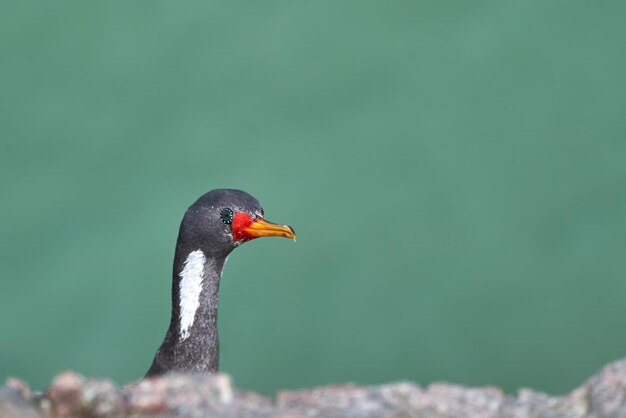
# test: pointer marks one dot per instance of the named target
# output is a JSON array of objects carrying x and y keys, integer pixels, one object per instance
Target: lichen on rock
[{"x": 71, "y": 395}]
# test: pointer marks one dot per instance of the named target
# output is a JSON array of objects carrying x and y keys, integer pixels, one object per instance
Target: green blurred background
[{"x": 455, "y": 172}]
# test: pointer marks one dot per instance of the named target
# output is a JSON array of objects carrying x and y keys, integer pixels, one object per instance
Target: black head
[{"x": 222, "y": 219}]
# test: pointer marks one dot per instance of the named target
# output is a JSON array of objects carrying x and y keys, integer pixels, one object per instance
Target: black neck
[{"x": 192, "y": 348}]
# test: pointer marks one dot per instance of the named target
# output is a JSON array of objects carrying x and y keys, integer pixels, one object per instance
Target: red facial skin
[{"x": 241, "y": 220}]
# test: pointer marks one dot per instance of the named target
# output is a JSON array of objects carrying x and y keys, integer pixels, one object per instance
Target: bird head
[{"x": 223, "y": 219}]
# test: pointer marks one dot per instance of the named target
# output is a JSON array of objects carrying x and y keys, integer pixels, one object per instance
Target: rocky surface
[{"x": 71, "y": 395}]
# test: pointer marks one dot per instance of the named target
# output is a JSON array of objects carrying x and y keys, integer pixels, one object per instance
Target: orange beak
[
  {"x": 246, "y": 228},
  {"x": 262, "y": 228}
]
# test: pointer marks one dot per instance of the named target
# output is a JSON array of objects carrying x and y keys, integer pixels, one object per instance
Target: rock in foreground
[{"x": 70, "y": 395}]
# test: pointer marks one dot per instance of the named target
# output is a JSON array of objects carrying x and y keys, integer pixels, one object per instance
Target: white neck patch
[{"x": 190, "y": 287}]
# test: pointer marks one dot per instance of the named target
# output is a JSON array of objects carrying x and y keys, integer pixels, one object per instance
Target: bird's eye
[{"x": 226, "y": 215}]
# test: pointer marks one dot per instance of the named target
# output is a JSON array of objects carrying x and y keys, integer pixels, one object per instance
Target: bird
[{"x": 217, "y": 223}]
